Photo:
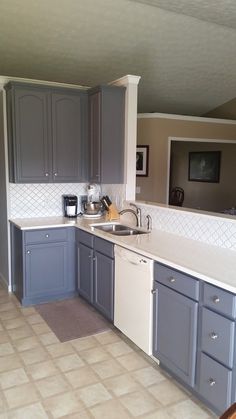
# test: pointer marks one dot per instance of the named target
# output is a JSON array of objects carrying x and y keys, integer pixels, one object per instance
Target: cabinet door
[
  {"x": 104, "y": 285},
  {"x": 95, "y": 137},
  {"x": 68, "y": 123},
  {"x": 46, "y": 269},
  {"x": 175, "y": 332},
  {"x": 30, "y": 148},
  {"x": 85, "y": 272}
]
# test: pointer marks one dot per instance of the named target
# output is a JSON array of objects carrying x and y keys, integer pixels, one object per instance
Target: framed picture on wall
[
  {"x": 142, "y": 156},
  {"x": 204, "y": 166}
]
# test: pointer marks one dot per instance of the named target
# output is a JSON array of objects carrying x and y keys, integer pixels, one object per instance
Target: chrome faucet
[
  {"x": 132, "y": 212},
  {"x": 149, "y": 222},
  {"x": 139, "y": 215}
]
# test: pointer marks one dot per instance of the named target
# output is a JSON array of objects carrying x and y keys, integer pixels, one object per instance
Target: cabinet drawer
[
  {"x": 46, "y": 235},
  {"x": 85, "y": 238},
  {"x": 218, "y": 336},
  {"x": 215, "y": 383},
  {"x": 176, "y": 280},
  {"x": 219, "y": 300},
  {"x": 103, "y": 246}
]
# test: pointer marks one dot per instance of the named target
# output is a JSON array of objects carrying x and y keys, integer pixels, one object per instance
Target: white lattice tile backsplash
[{"x": 40, "y": 200}]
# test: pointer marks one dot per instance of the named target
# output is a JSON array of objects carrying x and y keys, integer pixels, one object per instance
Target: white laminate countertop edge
[{"x": 210, "y": 263}]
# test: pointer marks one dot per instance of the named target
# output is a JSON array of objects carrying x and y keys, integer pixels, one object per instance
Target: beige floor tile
[
  {"x": 84, "y": 343},
  {"x": 1, "y": 327},
  {"x": 48, "y": 338},
  {"x": 62, "y": 405},
  {"x": 187, "y": 409},
  {"x": 21, "y": 395},
  {"x": 110, "y": 410},
  {"x": 148, "y": 376},
  {"x": 27, "y": 311},
  {"x": 6, "y": 349},
  {"x": 139, "y": 403},
  {"x": 81, "y": 377},
  {"x": 159, "y": 414},
  {"x": 167, "y": 393},
  {"x": 10, "y": 362},
  {"x": 132, "y": 361},
  {"x": 3, "y": 337},
  {"x": 34, "y": 319},
  {"x": 121, "y": 385},
  {"x": 13, "y": 378},
  {"x": 94, "y": 355},
  {"x": 40, "y": 328},
  {"x": 91, "y": 395},
  {"x": 34, "y": 411},
  {"x": 4, "y": 416},
  {"x": 14, "y": 323},
  {"x": 118, "y": 348},
  {"x": 8, "y": 315},
  {"x": 7, "y": 306},
  {"x": 59, "y": 349},
  {"x": 83, "y": 414},
  {"x": 42, "y": 370},
  {"x": 34, "y": 355},
  {"x": 26, "y": 343},
  {"x": 20, "y": 333},
  {"x": 108, "y": 368},
  {"x": 51, "y": 386},
  {"x": 69, "y": 362},
  {"x": 107, "y": 337}
]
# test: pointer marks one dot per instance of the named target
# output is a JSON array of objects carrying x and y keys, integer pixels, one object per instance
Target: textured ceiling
[{"x": 184, "y": 50}]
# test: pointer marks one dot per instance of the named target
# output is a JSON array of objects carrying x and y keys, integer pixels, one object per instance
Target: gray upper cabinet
[
  {"x": 47, "y": 132},
  {"x": 106, "y": 134}
]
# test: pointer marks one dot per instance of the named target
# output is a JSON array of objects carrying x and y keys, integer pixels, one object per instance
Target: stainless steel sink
[{"x": 119, "y": 229}]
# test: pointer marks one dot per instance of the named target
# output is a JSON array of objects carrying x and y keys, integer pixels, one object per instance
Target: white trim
[
  {"x": 202, "y": 140},
  {"x": 186, "y": 118},
  {"x": 6, "y": 79},
  {"x": 128, "y": 79}
]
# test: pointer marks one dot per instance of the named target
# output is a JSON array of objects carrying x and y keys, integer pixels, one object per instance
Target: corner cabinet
[
  {"x": 43, "y": 264},
  {"x": 47, "y": 130},
  {"x": 106, "y": 134},
  {"x": 96, "y": 272}
]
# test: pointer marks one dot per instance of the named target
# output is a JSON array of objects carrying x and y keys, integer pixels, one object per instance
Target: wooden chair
[
  {"x": 230, "y": 413},
  {"x": 176, "y": 196}
]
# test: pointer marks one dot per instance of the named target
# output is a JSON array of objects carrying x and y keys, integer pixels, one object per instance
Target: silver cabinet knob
[
  {"x": 46, "y": 174},
  {"x": 153, "y": 291},
  {"x": 213, "y": 335},
  {"x": 55, "y": 174},
  {"x": 94, "y": 258},
  {"x": 47, "y": 235},
  {"x": 28, "y": 252},
  {"x": 216, "y": 299},
  {"x": 212, "y": 382},
  {"x": 172, "y": 280}
]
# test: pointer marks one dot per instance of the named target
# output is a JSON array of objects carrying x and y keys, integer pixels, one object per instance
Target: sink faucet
[
  {"x": 132, "y": 212},
  {"x": 138, "y": 212},
  {"x": 149, "y": 222}
]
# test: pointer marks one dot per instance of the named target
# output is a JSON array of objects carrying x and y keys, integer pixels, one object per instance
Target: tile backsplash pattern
[
  {"x": 201, "y": 227},
  {"x": 40, "y": 200}
]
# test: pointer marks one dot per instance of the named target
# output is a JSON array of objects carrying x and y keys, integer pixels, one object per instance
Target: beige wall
[
  {"x": 226, "y": 111},
  {"x": 205, "y": 195},
  {"x": 155, "y": 132}
]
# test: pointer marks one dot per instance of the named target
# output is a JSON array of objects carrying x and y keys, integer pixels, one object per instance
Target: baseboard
[{"x": 5, "y": 283}]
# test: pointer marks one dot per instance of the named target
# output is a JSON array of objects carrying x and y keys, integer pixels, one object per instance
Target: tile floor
[{"x": 102, "y": 376}]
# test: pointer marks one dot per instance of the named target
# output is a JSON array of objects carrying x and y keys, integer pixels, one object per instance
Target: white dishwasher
[{"x": 133, "y": 297}]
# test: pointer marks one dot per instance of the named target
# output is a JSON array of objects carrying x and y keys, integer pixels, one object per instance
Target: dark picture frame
[
  {"x": 204, "y": 166},
  {"x": 142, "y": 160}
]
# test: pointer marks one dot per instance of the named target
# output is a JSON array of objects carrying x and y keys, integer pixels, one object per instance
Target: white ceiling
[{"x": 184, "y": 50}]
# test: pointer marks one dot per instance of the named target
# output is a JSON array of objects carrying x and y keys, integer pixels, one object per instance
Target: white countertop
[{"x": 209, "y": 263}]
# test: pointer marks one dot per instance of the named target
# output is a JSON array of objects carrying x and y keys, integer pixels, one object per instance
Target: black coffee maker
[{"x": 70, "y": 205}]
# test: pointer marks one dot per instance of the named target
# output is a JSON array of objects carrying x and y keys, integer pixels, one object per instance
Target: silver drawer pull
[
  {"x": 46, "y": 174},
  {"x": 172, "y": 280},
  {"x": 28, "y": 252},
  {"x": 212, "y": 382},
  {"x": 153, "y": 291},
  {"x": 213, "y": 335},
  {"x": 55, "y": 174},
  {"x": 47, "y": 235},
  {"x": 216, "y": 299}
]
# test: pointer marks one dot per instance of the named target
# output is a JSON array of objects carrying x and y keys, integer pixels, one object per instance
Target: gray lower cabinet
[
  {"x": 47, "y": 130},
  {"x": 106, "y": 109},
  {"x": 96, "y": 272},
  {"x": 175, "y": 332},
  {"x": 43, "y": 264}
]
